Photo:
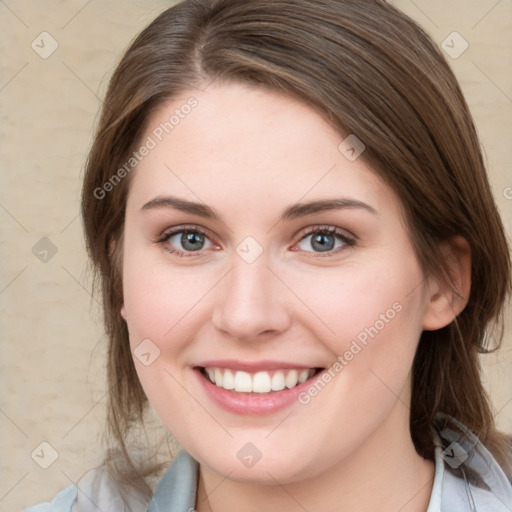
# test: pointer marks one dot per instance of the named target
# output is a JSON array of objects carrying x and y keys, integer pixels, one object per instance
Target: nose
[{"x": 251, "y": 302}]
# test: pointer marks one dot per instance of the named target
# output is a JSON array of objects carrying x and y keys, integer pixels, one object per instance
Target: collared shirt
[{"x": 467, "y": 479}]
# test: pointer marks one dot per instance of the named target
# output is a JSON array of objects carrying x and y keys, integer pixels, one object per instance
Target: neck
[{"x": 384, "y": 474}]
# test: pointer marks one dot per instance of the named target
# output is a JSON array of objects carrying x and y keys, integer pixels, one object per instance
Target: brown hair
[{"x": 373, "y": 72}]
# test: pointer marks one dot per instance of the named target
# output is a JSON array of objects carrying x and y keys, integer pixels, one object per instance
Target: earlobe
[
  {"x": 123, "y": 312},
  {"x": 447, "y": 300}
]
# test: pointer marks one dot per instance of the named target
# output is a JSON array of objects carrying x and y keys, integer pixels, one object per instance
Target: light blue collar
[
  {"x": 176, "y": 491},
  {"x": 467, "y": 477}
]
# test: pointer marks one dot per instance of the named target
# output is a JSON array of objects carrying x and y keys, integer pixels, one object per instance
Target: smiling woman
[{"x": 320, "y": 225}]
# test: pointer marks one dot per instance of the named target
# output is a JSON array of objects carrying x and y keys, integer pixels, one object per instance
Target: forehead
[{"x": 238, "y": 143}]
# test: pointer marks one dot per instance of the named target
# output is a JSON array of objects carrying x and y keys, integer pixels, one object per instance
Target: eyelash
[{"x": 326, "y": 230}]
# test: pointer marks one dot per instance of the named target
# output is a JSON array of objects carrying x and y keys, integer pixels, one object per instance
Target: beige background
[{"x": 52, "y": 346}]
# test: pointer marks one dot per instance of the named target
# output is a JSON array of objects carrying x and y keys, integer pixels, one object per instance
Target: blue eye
[
  {"x": 192, "y": 241},
  {"x": 327, "y": 239},
  {"x": 184, "y": 241}
]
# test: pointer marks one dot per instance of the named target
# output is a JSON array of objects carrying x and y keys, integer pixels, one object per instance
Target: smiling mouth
[{"x": 261, "y": 382}]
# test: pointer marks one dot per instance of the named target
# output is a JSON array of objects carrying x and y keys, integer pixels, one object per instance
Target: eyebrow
[{"x": 291, "y": 212}]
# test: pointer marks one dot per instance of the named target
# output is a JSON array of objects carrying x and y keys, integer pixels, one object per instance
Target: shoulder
[
  {"x": 97, "y": 490},
  {"x": 94, "y": 491},
  {"x": 467, "y": 475},
  {"x": 63, "y": 502}
]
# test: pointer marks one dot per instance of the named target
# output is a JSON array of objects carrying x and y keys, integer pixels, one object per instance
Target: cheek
[
  {"x": 161, "y": 300},
  {"x": 163, "y": 305},
  {"x": 370, "y": 318},
  {"x": 350, "y": 301},
  {"x": 375, "y": 314}
]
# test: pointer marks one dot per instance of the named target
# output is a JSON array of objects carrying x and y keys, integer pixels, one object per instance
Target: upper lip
[{"x": 253, "y": 366}]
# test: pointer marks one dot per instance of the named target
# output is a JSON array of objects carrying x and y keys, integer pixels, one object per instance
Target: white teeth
[
  {"x": 291, "y": 379},
  {"x": 259, "y": 382},
  {"x": 211, "y": 374},
  {"x": 243, "y": 382},
  {"x": 278, "y": 381},
  {"x": 229, "y": 380},
  {"x": 218, "y": 377},
  {"x": 303, "y": 376}
]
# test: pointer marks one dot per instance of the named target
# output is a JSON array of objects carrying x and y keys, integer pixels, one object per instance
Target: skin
[{"x": 249, "y": 153}]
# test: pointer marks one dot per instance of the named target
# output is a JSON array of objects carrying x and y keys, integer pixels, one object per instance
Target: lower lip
[{"x": 252, "y": 404}]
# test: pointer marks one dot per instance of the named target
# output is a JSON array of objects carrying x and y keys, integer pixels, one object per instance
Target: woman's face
[{"x": 258, "y": 250}]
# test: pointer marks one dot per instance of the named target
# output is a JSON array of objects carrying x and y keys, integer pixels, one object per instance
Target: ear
[
  {"x": 123, "y": 312},
  {"x": 446, "y": 301}
]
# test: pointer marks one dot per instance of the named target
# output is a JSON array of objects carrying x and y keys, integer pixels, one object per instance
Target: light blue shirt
[{"x": 467, "y": 479}]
